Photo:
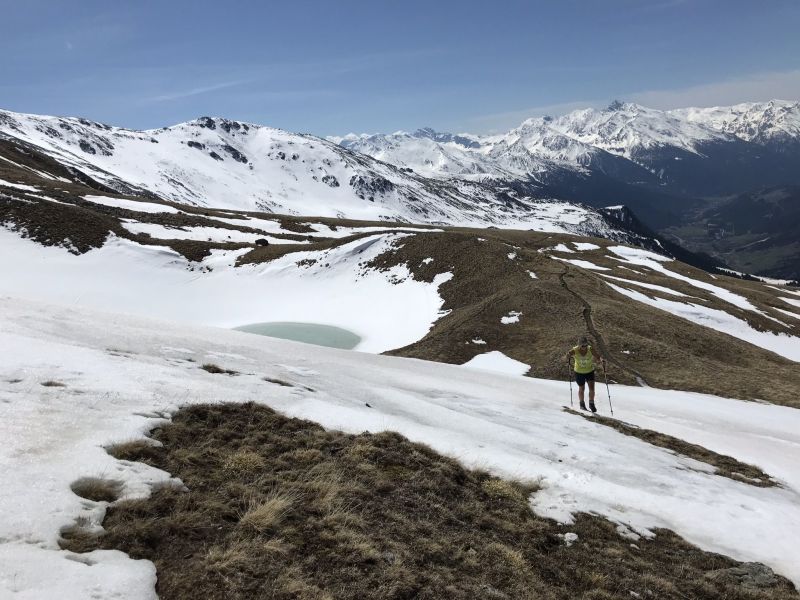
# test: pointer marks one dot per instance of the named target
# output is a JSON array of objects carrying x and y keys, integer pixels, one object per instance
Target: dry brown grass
[
  {"x": 216, "y": 369},
  {"x": 264, "y": 514},
  {"x": 330, "y": 515},
  {"x": 279, "y": 382},
  {"x": 52, "y": 383},
  {"x": 244, "y": 461},
  {"x": 133, "y": 449},
  {"x": 98, "y": 489}
]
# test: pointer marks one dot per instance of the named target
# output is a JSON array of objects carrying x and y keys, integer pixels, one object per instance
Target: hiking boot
[
  {"x": 592, "y": 407},
  {"x": 583, "y": 406}
]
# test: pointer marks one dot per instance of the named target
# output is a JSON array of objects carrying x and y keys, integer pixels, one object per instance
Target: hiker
[{"x": 584, "y": 356}]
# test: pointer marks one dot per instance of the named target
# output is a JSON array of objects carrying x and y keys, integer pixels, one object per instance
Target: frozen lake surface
[{"x": 309, "y": 333}]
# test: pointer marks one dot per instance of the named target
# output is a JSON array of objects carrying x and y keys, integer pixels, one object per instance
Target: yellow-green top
[{"x": 584, "y": 363}]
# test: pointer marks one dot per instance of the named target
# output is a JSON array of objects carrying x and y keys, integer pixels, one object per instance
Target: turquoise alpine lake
[{"x": 309, "y": 333}]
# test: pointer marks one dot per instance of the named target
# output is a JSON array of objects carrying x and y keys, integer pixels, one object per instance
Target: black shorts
[{"x": 582, "y": 378}]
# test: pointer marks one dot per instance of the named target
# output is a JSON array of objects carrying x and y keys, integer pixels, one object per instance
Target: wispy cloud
[
  {"x": 784, "y": 85},
  {"x": 198, "y": 91},
  {"x": 663, "y": 4}
]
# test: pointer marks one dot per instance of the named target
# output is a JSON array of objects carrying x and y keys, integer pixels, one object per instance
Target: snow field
[
  {"x": 513, "y": 426},
  {"x": 387, "y": 310},
  {"x": 145, "y": 207}
]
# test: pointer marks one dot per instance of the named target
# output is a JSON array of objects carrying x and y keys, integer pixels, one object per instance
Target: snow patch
[
  {"x": 583, "y": 264},
  {"x": 497, "y": 362},
  {"x": 585, "y": 246},
  {"x": 512, "y": 317},
  {"x": 145, "y": 207},
  {"x": 18, "y": 186},
  {"x": 653, "y": 261}
]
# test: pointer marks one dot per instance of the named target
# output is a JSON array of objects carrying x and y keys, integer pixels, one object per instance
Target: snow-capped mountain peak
[
  {"x": 640, "y": 144},
  {"x": 750, "y": 121}
]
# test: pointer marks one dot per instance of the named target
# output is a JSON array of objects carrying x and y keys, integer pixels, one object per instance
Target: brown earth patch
[
  {"x": 281, "y": 508},
  {"x": 638, "y": 340}
]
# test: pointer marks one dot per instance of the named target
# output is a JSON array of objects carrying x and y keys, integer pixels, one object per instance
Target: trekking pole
[
  {"x": 605, "y": 375},
  {"x": 569, "y": 368}
]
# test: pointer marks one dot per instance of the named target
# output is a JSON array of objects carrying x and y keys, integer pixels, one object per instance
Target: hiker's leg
[
  {"x": 591, "y": 391},
  {"x": 581, "y": 387}
]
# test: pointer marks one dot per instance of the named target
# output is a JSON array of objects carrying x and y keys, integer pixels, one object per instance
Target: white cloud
[{"x": 784, "y": 85}]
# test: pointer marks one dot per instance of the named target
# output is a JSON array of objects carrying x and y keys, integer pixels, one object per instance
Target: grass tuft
[
  {"x": 264, "y": 515},
  {"x": 499, "y": 488},
  {"x": 134, "y": 450},
  {"x": 52, "y": 383},
  {"x": 97, "y": 489},
  {"x": 216, "y": 369},
  {"x": 280, "y": 382},
  {"x": 244, "y": 461}
]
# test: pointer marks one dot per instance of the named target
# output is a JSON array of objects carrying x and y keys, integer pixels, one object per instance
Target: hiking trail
[{"x": 587, "y": 317}]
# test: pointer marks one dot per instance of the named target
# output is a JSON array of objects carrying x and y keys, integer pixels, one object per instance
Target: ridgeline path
[{"x": 587, "y": 317}]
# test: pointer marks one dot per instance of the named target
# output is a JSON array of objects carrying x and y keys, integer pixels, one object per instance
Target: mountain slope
[
  {"x": 411, "y": 289},
  {"x": 227, "y": 164},
  {"x": 121, "y": 376}
]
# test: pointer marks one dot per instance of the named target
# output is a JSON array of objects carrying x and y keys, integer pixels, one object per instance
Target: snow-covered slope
[
  {"x": 227, "y": 164},
  {"x": 123, "y": 375}
]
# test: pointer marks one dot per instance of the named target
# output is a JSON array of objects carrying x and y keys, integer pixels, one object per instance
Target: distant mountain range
[
  {"x": 550, "y": 173},
  {"x": 670, "y": 167},
  {"x": 677, "y": 151},
  {"x": 675, "y": 169}
]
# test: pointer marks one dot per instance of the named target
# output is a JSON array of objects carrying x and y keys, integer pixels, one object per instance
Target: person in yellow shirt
[{"x": 583, "y": 357}]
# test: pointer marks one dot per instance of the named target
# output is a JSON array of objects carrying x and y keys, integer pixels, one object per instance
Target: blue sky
[{"x": 335, "y": 66}]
